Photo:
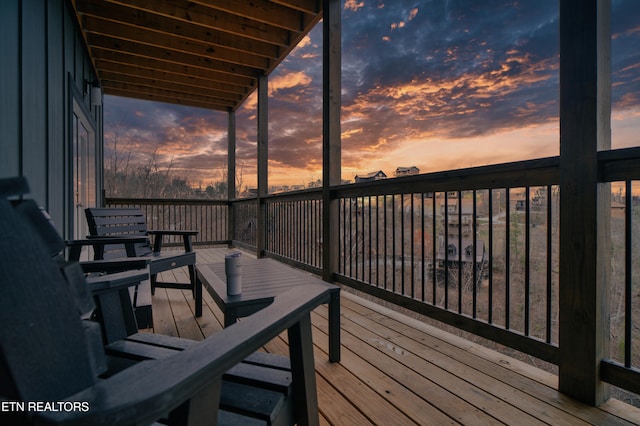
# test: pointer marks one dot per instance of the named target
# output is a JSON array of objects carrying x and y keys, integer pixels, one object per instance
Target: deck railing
[
  {"x": 621, "y": 168},
  {"x": 245, "y": 222},
  {"x": 294, "y": 228},
  {"x": 474, "y": 248},
  {"x": 209, "y": 217}
]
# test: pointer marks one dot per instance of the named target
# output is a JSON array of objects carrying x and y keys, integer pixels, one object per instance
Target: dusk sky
[{"x": 434, "y": 84}]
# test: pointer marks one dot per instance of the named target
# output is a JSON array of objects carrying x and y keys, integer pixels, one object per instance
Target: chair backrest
[
  {"x": 118, "y": 222},
  {"x": 13, "y": 187},
  {"x": 45, "y": 350}
]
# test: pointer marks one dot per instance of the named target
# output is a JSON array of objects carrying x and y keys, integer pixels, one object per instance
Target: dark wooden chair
[
  {"x": 101, "y": 273},
  {"x": 57, "y": 370},
  {"x": 131, "y": 222}
]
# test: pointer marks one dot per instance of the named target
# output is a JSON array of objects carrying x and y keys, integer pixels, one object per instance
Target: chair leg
[
  {"x": 303, "y": 372},
  {"x": 202, "y": 409},
  {"x": 334, "y": 326},
  {"x": 196, "y": 289},
  {"x": 115, "y": 314},
  {"x": 154, "y": 279}
]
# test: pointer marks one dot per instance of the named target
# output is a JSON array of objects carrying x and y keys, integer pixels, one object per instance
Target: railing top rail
[
  {"x": 306, "y": 194},
  {"x": 614, "y": 165},
  {"x": 165, "y": 201},
  {"x": 244, "y": 200},
  {"x": 543, "y": 171},
  {"x": 619, "y": 164}
]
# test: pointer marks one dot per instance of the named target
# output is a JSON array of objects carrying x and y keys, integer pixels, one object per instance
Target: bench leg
[{"x": 303, "y": 372}]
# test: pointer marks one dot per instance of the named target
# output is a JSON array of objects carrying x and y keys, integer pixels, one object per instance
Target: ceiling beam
[
  {"x": 159, "y": 95},
  {"x": 145, "y": 50},
  {"x": 181, "y": 70},
  {"x": 264, "y": 11},
  {"x": 206, "y": 53},
  {"x": 166, "y": 86},
  {"x": 172, "y": 26},
  {"x": 313, "y": 7},
  {"x": 170, "y": 41},
  {"x": 167, "y": 77},
  {"x": 192, "y": 13}
]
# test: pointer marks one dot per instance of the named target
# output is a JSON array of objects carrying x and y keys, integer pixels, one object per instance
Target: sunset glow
[{"x": 438, "y": 86}]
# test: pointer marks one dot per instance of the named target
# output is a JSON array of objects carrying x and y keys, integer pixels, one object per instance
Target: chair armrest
[
  {"x": 148, "y": 390},
  {"x": 98, "y": 243},
  {"x": 91, "y": 240},
  {"x": 186, "y": 237},
  {"x": 115, "y": 265},
  {"x": 163, "y": 232},
  {"x": 102, "y": 283}
]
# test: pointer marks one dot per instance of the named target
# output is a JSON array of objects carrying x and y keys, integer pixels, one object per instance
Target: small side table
[{"x": 262, "y": 281}]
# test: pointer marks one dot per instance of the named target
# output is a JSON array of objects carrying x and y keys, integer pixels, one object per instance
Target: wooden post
[
  {"x": 585, "y": 109},
  {"x": 263, "y": 189},
  {"x": 331, "y": 145},
  {"x": 231, "y": 175}
]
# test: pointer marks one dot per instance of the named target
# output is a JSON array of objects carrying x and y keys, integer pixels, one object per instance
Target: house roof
[
  {"x": 204, "y": 53},
  {"x": 406, "y": 169},
  {"x": 371, "y": 175}
]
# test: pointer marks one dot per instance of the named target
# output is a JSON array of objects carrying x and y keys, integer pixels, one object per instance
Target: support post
[
  {"x": 231, "y": 175},
  {"x": 585, "y": 114},
  {"x": 263, "y": 145},
  {"x": 331, "y": 144}
]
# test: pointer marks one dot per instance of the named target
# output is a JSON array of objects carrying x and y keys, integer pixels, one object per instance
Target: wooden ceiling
[{"x": 203, "y": 53}]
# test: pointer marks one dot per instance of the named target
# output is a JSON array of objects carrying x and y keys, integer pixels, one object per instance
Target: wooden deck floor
[{"x": 398, "y": 371}]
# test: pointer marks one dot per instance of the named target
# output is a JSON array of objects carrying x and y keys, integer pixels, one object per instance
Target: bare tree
[{"x": 118, "y": 168}]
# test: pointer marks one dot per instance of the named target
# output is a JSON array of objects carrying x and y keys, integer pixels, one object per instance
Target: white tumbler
[{"x": 233, "y": 271}]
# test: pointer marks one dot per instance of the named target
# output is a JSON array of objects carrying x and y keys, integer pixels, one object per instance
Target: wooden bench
[
  {"x": 50, "y": 356},
  {"x": 131, "y": 222}
]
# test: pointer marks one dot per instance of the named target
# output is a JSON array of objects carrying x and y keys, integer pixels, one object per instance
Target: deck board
[
  {"x": 429, "y": 382},
  {"x": 450, "y": 378},
  {"x": 397, "y": 370},
  {"x": 384, "y": 385}
]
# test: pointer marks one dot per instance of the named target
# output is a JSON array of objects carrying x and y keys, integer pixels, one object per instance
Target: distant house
[
  {"x": 617, "y": 205},
  {"x": 377, "y": 175},
  {"x": 406, "y": 171},
  {"x": 315, "y": 183}
]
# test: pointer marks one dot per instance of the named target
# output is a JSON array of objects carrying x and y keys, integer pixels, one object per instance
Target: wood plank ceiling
[{"x": 204, "y": 53}]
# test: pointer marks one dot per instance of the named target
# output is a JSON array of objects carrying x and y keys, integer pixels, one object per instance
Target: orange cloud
[
  {"x": 353, "y": 5},
  {"x": 289, "y": 81}
]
